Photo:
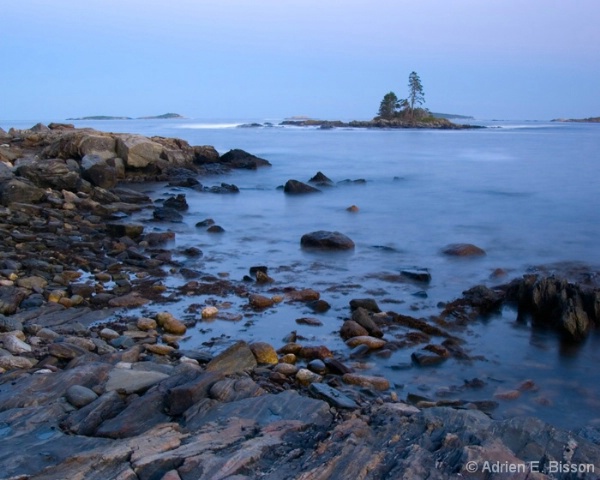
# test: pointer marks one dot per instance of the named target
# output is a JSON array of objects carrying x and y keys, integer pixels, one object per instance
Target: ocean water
[{"x": 525, "y": 192}]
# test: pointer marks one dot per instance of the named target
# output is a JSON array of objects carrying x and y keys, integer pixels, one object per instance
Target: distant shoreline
[
  {"x": 438, "y": 123},
  {"x": 577, "y": 120},
  {"x": 164, "y": 116}
]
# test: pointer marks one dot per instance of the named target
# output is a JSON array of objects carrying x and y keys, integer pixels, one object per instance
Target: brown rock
[
  {"x": 377, "y": 383},
  {"x": 170, "y": 324},
  {"x": 260, "y": 301},
  {"x": 463, "y": 250},
  {"x": 352, "y": 329},
  {"x": 264, "y": 353},
  {"x": 372, "y": 342}
]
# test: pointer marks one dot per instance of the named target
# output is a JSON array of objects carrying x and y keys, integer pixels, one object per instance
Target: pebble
[
  {"x": 209, "y": 312},
  {"x": 306, "y": 377},
  {"x": 286, "y": 369},
  {"x": 260, "y": 301},
  {"x": 159, "y": 348}
]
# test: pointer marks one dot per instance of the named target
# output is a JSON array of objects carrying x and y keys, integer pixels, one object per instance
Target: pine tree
[{"x": 388, "y": 106}]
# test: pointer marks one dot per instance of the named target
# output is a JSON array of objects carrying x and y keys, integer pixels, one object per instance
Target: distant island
[
  {"x": 578, "y": 120},
  {"x": 393, "y": 112},
  {"x": 164, "y": 116}
]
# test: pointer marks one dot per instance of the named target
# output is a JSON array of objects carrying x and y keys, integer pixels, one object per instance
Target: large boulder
[
  {"x": 555, "y": 302},
  {"x": 205, "y": 154},
  {"x": 18, "y": 190},
  {"x": 240, "y": 159},
  {"x": 138, "y": 151},
  {"x": 51, "y": 173},
  {"x": 79, "y": 143},
  {"x": 98, "y": 171},
  {"x": 323, "y": 239}
]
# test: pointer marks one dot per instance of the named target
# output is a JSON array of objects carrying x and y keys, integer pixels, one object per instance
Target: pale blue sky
[{"x": 493, "y": 59}]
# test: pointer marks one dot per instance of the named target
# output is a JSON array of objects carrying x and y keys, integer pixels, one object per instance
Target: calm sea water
[{"x": 527, "y": 193}]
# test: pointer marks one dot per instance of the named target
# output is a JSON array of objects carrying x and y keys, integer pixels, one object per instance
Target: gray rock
[
  {"x": 80, "y": 396},
  {"x": 369, "y": 304},
  {"x": 20, "y": 190},
  {"x": 87, "y": 419},
  {"x": 14, "y": 345},
  {"x": 98, "y": 171},
  {"x": 132, "y": 381},
  {"x": 333, "y": 397},
  {"x": 138, "y": 151},
  {"x": 8, "y": 324},
  {"x": 182, "y": 397}
]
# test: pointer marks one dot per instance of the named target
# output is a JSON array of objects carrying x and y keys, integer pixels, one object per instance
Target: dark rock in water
[
  {"x": 177, "y": 203},
  {"x": 20, "y": 190},
  {"x": 570, "y": 308},
  {"x": 358, "y": 181},
  {"x": 326, "y": 240},
  {"x": 237, "y": 358},
  {"x": 128, "y": 195},
  {"x": 205, "y": 223},
  {"x": 333, "y": 397},
  {"x": 185, "y": 182},
  {"x": 193, "y": 252},
  {"x": 164, "y": 214},
  {"x": 362, "y": 317},
  {"x": 463, "y": 250},
  {"x": 484, "y": 299},
  {"x": 258, "y": 268},
  {"x": 223, "y": 188},
  {"x": 417, "y": 275},
  {"x": 215, "y": 229},
  {"x": 351, "y": 329},
  {"x": 318, "y": 306},
  {"x": 321, "y": 179},
  {"x": 427, "y": 358},
  {"x": 369, "y": 304},
  {"x": 295, "y": 187},
  {"x": 240, "y": 159}
]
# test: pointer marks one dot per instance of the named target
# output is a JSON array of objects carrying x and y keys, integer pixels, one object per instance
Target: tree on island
[
  {"x": 405, "y": 109},
  {"x": 389, "y": 106}
]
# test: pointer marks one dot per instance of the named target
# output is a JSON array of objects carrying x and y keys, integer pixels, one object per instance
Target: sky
[{"x": 271, "y": 59}]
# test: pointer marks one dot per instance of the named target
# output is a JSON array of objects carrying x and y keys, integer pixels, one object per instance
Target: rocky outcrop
[{"x": 240, "y": 159}]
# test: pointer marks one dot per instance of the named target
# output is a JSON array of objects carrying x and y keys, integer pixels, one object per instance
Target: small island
[
  {"x": 578, "y": 120},
  {"x": 393, "y": 113},
  {"x": 164, "y": 116}
]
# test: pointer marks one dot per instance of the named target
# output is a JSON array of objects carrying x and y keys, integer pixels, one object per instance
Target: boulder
[
  {"x": 240, "y": 159},
  {"x": 295, "y": 187},
  {"x": 18, "y": 190},
  {"x": 51, "y": 173},
  {"x": 138, "y": 151},
  {"x": 205, "y": 154},
  {"x": 98, "y": 171},
  {"x": 326, "y": 240},
  {"x": 321, "y": 179}
]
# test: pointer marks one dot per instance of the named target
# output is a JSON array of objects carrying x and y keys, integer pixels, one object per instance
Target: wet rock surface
[{"x": 87, "y": 391}]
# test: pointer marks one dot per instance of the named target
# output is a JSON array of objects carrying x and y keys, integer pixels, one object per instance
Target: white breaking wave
[{"x": 198, "y": 126}]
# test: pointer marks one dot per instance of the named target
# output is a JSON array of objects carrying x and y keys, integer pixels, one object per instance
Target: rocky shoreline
[
  {"x": 87, "y": 391},
  {"x": 378, "y": 123}
]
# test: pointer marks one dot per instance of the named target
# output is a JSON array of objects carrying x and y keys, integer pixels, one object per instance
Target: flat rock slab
[
  {"x": 333, "y": 397},
  {"x": 132, "y": 381},
  {"x": 267, "y": 409}
]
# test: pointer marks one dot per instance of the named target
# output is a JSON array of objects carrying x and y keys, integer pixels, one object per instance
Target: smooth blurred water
[{"x": 526, "y": 193}]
